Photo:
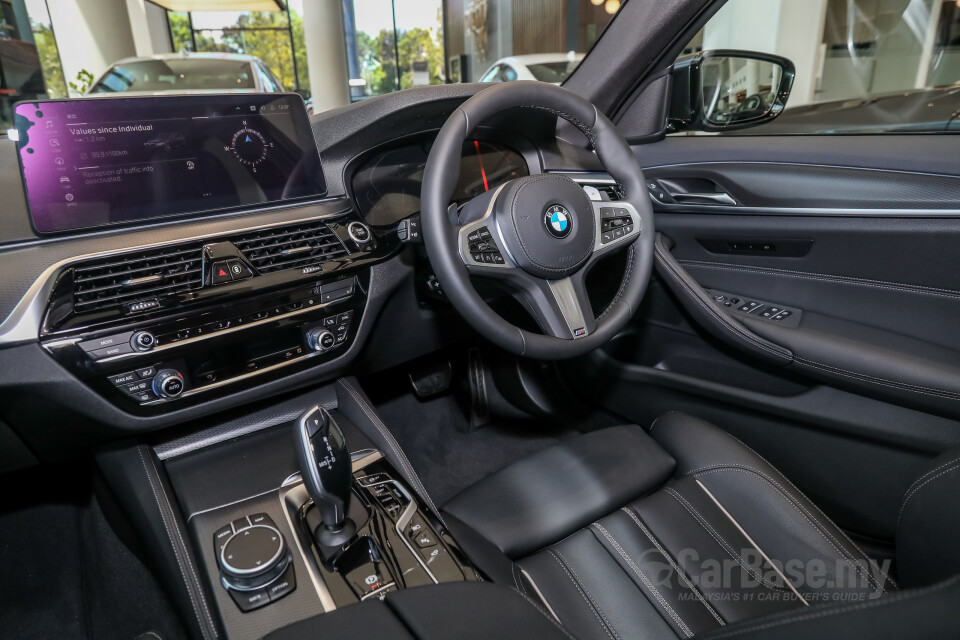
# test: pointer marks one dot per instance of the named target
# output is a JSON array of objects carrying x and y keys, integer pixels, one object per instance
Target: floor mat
[
  {"x": 66, "y": 574},
  {"x": 447, "y": 459}
]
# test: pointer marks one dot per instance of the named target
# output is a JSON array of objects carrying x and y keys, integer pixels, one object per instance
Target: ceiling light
[
  {"x": 611, "y": 6},
  {"x": 597, "y": 3}
]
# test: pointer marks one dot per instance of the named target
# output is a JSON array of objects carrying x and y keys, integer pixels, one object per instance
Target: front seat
[{"x": 679, "y": 532}]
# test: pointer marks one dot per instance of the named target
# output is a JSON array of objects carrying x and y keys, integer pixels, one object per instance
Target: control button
[
  {"x": 109, "y": 352},
  {"x": 416, "y": 527},
  {"x": 425, "y": 540},
  {"x": 330, "y": 322},
  {"x": 345, "y": 316},
  {"x": 402, "y": 230},
  {"x": 137, "y": 387},
  {"x": 295, "y": 306},
  {"x": 220, "y": 273},
  {"x": 617, "y": 233},
  {"x": 220, "y": 537},
  {"x": 168, "y": 383},
  {"x": 218, "y": 325},
  {"x": 143, "y": 341},
  {"x": 284, "y": 585},
  {"x": 720, "y": 298},
  {"x": 477, "y": 257},
  {"x": 782, "y": 315},
  {"x": 374, "y": 478},
  {"x": 381, "y": 593},
  {"x": 360, "y": 233},
  {"x": 769, "y": 312},
  {"x": 147, "y": 372},
  {"x": 107, "y": 341},
  {"x": 473, "y": 237},
  {"x": 606, "y": 237},
  {"x": 144, "y": 396},
  {"x": 321, "y": 340},
  {"x": 413, "y": 230},
  {"x": 238, "y": 270},
  {"x": 341, "y": 337},
  {"x": 250, "y": 600},
  {"x": 123, "y": 378},
  {"x": 259, "y": 315},
  {"x": 240, "y": 524},
  {"x": 261, "y": 518},
  {"x": 750, "y": 307}
]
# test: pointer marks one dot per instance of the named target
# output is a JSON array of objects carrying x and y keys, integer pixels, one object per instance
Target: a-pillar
[{"x": 326, "y": 53}]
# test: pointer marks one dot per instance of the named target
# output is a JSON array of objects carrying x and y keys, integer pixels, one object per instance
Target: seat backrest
[{"x": 928, "y": 527}]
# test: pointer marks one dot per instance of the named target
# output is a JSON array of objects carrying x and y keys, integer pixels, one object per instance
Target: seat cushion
[
  {"x": 722, "y": 537},
  {"x": 545, "y": 497}
]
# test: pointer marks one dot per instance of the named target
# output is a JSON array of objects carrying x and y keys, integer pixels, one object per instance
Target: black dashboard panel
[{"x": 387, "y": 185}]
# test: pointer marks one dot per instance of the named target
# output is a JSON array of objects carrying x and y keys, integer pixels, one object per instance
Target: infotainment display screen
[{"x": 103, "y": 161}]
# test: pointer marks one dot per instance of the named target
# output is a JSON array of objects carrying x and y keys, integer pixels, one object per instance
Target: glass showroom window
[
  {"x": 276, "y": 37},
  {"x": 862, "y": 66}
]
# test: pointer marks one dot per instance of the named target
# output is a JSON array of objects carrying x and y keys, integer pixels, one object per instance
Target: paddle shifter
[{"x": 326, "y": 469}]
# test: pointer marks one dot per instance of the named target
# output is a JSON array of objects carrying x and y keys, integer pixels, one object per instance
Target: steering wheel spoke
[{"x": 561, "y": 307}]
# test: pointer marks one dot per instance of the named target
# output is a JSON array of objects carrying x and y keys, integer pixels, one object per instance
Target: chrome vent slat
[
  {"x": 290, "y": 247},
  {"x": 131, "y": 274},
  {"x": 114, "y": 281}
]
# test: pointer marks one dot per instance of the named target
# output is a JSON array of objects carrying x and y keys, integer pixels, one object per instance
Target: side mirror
[{"x": 723, "y": 90}]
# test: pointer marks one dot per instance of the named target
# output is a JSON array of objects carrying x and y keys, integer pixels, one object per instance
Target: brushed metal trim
[{"x": 22, "y": 325}]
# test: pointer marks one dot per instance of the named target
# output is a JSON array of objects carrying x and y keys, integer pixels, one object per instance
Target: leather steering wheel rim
[{"x": 443, "y": 239}]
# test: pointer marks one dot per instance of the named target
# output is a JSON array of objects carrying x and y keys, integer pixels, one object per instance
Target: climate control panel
[{"x": 174, "y": 361}]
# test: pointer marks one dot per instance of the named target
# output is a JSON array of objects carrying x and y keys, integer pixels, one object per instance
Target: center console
[{"x": 306, "y": 517}]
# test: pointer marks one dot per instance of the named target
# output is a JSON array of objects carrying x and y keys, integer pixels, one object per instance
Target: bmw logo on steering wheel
[{"x": 558, "y": 221}]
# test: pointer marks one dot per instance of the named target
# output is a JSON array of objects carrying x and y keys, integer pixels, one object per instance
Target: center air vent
[
  {"x": 291, "y": 247},
  {"x": 133, "y": 277}
]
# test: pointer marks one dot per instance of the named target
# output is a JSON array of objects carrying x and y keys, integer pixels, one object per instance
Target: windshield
[
  {"x": 355, "y": 49},
  {"x": 183, "y": 75},
  {"x": 553, "y": 71}
]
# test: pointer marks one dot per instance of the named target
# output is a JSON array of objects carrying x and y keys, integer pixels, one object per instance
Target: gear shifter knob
[{"x": 326, "y": 469}]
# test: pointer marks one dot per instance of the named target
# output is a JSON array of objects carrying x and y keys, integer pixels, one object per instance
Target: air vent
[
  {"x": 292, "y": 247},
  {"x": 609, "y": 190},
  {"x": 133, "y": 277}
]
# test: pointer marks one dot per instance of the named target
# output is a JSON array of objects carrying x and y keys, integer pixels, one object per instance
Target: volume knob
[
  {"x": 321, "y": 340},
  {"x": 168, "y": 383}
]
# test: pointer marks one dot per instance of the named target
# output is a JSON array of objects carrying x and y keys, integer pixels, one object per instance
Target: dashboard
[{"x": 139, "y": 317}]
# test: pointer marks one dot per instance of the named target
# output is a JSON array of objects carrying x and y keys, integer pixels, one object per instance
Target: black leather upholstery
[
  {"x": 465, "y": 611},
  {"x": 541, "y": 499},
  {"x": 687, "y": 530},
  {"x": 929, "y": 521}
]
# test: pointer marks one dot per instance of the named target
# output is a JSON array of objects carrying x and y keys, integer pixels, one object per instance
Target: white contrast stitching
[
  {"x": 585, "y": 595},
  {"x": 646, "y": 581},
  {"x": 787, "y": 481},
  {"x": 726, "y": 322},
  {"x": 176, "y": 554},
  {"x": 953, "y": 466},
  {"x": 394, "y": 445},
  {"x": 706, "y": 526},
  {"x": 826, "y": 277},
  {"x": 681, "y": 574},
  {"x": 830, "y": 611},
  {"x": 809, "y": 517}
]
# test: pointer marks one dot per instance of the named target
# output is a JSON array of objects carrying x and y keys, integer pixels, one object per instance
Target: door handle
[{"x": 714, "y": 198}]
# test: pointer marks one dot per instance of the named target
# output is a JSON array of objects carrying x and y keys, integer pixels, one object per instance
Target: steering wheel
[{"x": 539, "y": 234}]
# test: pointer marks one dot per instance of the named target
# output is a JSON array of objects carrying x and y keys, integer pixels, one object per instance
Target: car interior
[{"x": 481, "y": 360}]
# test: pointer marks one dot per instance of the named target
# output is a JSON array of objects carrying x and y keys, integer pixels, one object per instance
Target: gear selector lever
[{"x": 326, "y": 469}]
